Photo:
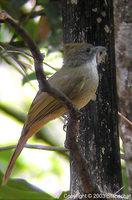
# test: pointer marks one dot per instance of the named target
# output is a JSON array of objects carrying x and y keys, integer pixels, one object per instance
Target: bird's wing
[{"x": 44, "y": 104}]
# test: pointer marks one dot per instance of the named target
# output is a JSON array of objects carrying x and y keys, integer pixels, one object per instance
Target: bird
[{"x": 78, "y": 79}]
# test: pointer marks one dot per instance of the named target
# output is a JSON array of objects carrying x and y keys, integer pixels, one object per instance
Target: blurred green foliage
[
  {"x": 18, "y": 189},
  {"x": 13, "y": 51},
  {"x": 27, "y": 17},
  {"x": 29, "y": 14}
]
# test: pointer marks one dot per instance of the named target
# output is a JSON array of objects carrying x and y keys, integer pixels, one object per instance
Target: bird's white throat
[{"x": 92, "y": 64}]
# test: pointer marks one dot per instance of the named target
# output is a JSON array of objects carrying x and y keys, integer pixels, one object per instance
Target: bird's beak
[{"x": 101, "y": 52}]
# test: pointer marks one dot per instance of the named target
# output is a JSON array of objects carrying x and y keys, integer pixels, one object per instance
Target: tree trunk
[{"x": 92, "y": 22}]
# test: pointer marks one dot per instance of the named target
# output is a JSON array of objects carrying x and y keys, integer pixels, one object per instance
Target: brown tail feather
[{"x": 16, "y": 153}]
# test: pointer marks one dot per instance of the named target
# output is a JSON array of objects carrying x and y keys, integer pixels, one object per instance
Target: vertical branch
[
  {"x": 92, "y": 22},
  {"x": 80, "y": 162}
]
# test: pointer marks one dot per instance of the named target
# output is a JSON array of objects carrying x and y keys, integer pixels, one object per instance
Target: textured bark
[
  {"x": 123, "y": 25},
  {"x": 92, "y": 22}
]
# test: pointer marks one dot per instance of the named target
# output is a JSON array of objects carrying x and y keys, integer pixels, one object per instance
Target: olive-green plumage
[{"x": 78, "y": 79}]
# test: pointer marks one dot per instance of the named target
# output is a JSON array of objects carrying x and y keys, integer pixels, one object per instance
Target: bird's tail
[{"x": 23, "y": 139}]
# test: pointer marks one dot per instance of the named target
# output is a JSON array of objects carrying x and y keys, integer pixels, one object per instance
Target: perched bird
[{"x": 78, "y": 79}]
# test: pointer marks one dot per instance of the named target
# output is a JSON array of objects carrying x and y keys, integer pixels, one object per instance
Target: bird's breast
[{"x": 90, "y": 85}]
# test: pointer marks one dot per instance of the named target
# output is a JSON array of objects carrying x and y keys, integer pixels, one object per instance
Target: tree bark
[
  {"x": 123, "y": 36},
  {"x": 92, "y": 22}
]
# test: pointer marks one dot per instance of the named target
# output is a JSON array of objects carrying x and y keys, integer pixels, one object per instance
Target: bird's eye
[
  {"x": 100, "y": 53},
  {"x": 88, "y": 50}
]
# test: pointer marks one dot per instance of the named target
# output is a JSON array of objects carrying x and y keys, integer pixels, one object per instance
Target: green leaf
[
  {"x": 12, "y": 6},
  {"x": 32, "y": 77},
  {"x": 18, "y": 189},
  {"x": 64, "y": 195},
  {"x": 31, "y": 26},
  {"x": 125, "y": 181}
]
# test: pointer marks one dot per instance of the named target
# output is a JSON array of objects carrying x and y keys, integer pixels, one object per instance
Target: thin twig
[
  {"x": 33, "y": 14},
  {"x": 39, "y": 147},
  {"x": 12, "y": 49},
  {"x": 123, "y": 117},
  {"x": 30, "y": 13},
  {"x": 119, "y": 190},
  {"x": 19, "y": 63}
]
